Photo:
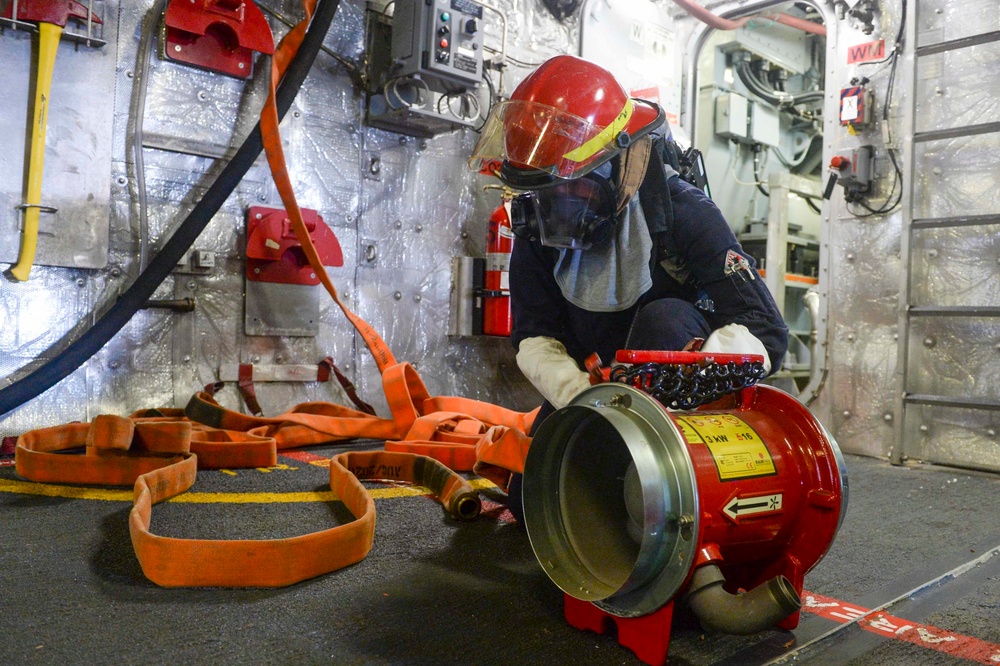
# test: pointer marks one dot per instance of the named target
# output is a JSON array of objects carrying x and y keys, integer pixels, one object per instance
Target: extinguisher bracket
[
  {"x": 219, "y": 35},
  {"x": 281, "y": 295}
]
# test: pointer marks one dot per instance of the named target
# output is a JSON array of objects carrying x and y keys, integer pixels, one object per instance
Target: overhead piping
[{"x": 720, "y": 23}]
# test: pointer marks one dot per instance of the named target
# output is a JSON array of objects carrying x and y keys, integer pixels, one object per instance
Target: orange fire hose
[{"x": 160, "y": 450}]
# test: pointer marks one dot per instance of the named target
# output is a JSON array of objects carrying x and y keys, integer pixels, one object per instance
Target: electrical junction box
[
  {"x": 731, "y": 116},
  {"x": 765, "y": 124},
  {"x": 439, "y": 37},
  {"x": 855, "y": 169},
  {"x": 855, "y": 107}
]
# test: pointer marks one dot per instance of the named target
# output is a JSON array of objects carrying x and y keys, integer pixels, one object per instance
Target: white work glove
[
  {"x": 551, "y": 370},
  {"x": 736, "y": 339}
]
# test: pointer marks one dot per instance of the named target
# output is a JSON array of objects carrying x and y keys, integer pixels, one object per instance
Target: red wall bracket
[
  {"x": 274, "y": 254},
  {"x": 220, "y": 35}
]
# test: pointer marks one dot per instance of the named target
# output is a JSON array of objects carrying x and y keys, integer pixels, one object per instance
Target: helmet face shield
[{"x": 540, "y": 138}]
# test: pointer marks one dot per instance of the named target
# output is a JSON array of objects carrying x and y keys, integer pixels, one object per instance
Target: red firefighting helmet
[{"x": 565, "y": 119}]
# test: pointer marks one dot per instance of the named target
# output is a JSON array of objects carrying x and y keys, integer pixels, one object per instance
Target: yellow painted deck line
[{"x": 110, "y": 495}]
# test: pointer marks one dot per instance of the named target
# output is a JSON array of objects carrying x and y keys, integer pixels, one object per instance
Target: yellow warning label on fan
[{"x": 737, "y": 449}]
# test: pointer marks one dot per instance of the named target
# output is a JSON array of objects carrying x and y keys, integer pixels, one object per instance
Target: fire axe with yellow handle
[{"x": 51, "y": 17}]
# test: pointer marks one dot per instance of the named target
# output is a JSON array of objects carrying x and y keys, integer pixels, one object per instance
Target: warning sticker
[{"x": 737, "y": 449}]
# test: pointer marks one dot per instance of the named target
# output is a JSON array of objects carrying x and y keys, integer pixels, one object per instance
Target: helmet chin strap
[{"x": 634, "y": 161}]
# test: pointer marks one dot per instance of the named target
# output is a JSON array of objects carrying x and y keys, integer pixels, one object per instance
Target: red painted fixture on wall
[
  {"x": 275, "y": 255},
  {"x": 219, "y": 35}
]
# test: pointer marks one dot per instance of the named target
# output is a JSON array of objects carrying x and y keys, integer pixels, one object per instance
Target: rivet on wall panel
[
  {"x": 924, "y": 428},
  {"x": 929, "y": 342},
  {"x": 116, "y": 272},
  {"x": 846, "y": 414},
  {"x": 397, "y": 295},
  {"x": 887, "y": 417},
  {"x": 932, "y": 253},
  {"x": 402, "y": 140},
  {"x": 418, "y": 228},
  {"x": 850, "y": 337},
  {"x": 80, "y": 282},
  {"x": 991, "y": 433},
  {"x": 122, "y": 180},
  {"x": 399, "y": 224},
  {"x": 417, "y": 298},
  {"x": 202, "y": 95},
  {"x": 850, "y": 256},
  {"x": 114, "y": 365}
]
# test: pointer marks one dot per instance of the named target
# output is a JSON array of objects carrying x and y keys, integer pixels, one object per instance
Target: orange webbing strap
[
  {"x": 458, "y": 498},
  {"x": 116, "y": 451},
  {"x": 274, "y": 150},
  {"x": 306, "y": 424},
  {"x": 173, "y": 562},
  {"x": 448, "y": 437}
]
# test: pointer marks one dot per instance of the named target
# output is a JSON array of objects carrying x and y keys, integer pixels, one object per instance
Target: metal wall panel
[
  {"x": 420, "y": 208},
  {"x": 76, "y": 180}
]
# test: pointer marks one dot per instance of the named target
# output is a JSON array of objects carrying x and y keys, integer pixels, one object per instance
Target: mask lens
[{"x": 571, "y": 211}]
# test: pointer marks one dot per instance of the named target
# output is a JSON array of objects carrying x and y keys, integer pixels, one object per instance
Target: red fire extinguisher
[{"x": 496, "y": 288}]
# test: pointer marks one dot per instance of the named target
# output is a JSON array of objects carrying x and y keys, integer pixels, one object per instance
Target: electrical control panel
[
  {"x": 425, "y": 63},
  {"x": 442, "y": 37}
]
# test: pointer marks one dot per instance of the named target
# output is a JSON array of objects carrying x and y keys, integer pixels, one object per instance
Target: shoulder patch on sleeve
[{"x": 737, "y": 263}]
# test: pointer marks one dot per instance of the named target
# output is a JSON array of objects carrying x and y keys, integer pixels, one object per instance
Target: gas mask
[{"x": 573, "y": 214}]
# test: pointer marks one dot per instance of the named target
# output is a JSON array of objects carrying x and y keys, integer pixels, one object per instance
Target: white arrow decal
[{"x": 745, "y": 507}]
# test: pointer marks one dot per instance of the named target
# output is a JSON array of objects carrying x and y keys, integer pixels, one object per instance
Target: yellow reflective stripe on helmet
[{"x": 597, "y": 142}]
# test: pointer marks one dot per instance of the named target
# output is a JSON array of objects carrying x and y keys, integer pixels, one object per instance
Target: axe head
[{"x": 57, "y": 12}]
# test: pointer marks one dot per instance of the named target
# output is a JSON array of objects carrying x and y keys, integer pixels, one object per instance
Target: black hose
[
  {"x": 768, "y": 94},
  {"x": 88, "y": 344}
]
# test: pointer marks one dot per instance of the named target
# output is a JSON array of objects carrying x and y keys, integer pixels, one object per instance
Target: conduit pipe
[
  {"x": 720, "y": 23},
  {"x": 744, "y": 612},
  {"x": 136, "y": 296}
]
